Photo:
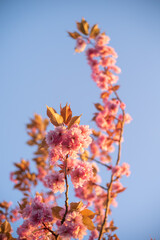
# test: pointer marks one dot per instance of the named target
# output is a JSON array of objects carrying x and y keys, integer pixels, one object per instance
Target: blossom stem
[
  {"x": 103, "y": 164},
  {"x": 111, "y": 181},
  {"x": 66, "y": 193},
  {"x": 53, "y": 233},
  {"x": 100, "y": 186}
]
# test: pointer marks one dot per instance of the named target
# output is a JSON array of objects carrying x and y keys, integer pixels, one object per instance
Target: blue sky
[{"x": 39, "y": 67}]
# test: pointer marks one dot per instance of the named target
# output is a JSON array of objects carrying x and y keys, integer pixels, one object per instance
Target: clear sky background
[{"x": 38, "y": 66}]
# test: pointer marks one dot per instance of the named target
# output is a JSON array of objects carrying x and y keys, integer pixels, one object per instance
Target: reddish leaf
[
  {"x": 55, "y": 118},
  {"x": 94, "y": 31},
  {"x": 75, "y": 119},
  {"x": 74, "y": 35},
  {"x": 66, "y": 113}
]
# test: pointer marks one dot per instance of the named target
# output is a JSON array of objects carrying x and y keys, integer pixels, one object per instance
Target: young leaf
[
  {"x": 95, "y": 133},
  {"x": 115, "y": 88},
  {"x": 75, "y": 205},
  {"x": 105, "y": 95},
  {"x": 88, "y": 223},
  {"x": 94, "y": 31},
  {"x": 75, "y": 119},
  {"x": 43, "y": 144},
  {"x": 88, "y": 213},
  {"x": 74, "y": 35},
  {"x": 55, "y": 118},
  {"x": 6, "y": 227},
  {"x": 99, "y": 107},
  {"x": 55, "y": 212},
  {"x": 66, "y": 113},
  {"x": 84, "y": 156},
  {"x": 83, "y": 26}
]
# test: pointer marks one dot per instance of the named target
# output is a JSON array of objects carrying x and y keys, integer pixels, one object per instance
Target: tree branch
[
  {"x": 66, "y": 193},
  {"x": 53, "y": 233},
  {"x": 111, "y": 181}
]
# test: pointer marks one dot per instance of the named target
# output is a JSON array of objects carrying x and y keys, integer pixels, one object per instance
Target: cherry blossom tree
[{"x": 70, "y": 154}]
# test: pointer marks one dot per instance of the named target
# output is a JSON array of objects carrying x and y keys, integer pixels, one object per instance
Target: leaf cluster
[
  {"x": 64, "y": 118},
  {"x": 84, "y": 29}
]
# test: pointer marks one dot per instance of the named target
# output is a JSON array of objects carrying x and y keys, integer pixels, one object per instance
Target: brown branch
[
  {"x": 53, "y": 233},
  {"x": 66, "y": 193},
  {"x": 106, "y": 189},
  {"x": 103, "y": 164},
  {"x": 111, "y": 181}
]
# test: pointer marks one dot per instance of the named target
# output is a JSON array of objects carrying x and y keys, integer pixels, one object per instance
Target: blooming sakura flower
[
  {"x": 35, "y": 214},
  {"x": 114, "y": 202},
  {"x": 53, "y": 156},
  {"x": 85, "y": 193},
  {"x": 94, "y": 149},
  {"x": 73, "y": 226},
  {"x": 111, "y": 106},
  {"x": 3, "y": 236},
  {"x": 127, "y": 118},
  {"x": 101, "y": 121},
  {"x": 94, "y": 234},
  {"x": 102, "y": 142},
  {"x": 108, "y": 61},
  {"x": 54, "y": 138},
  {"x": 125, "y": 169},
  {"x": 40, "y": 212},
  {"x": 55, "y": 181},
  {"x": 102, "y": 82},
  {"x": 101, "y": 40},
  {"x": 81, "y": 174},
  {"x": 121, "y": 170},
  {"x": 117, "y": 186},
  {"x": 15, "y": 214},
  {"x": 122, "y": 105},
  {"x": 91, "y": 53},
  {"x": 80, "y": 45},
  {"x": 41, "y": 173},
  {"x": 25, "y": 230},
  {"x": 27, "y": 211},
  {"x": 63, "y": 141},
  {"x": 50, "y": 138}
]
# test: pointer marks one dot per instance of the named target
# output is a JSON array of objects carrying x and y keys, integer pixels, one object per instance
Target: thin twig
[
  {"x": 111, "y": 181},
  {"x": 53, "y": 233},
  {"x": 106, "y": 189},
  {"x": 103, "y": 164},
  {"x": 66, "y": 193}
]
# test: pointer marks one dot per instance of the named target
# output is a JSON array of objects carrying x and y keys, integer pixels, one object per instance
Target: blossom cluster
[
  {"x": 73, "y": 226},
  {"x": 35, "y": 214},
  {"x": 61, "y": 158},
  {"x": 63, "y": 141}
]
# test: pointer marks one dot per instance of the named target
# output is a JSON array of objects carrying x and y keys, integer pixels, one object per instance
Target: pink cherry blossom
[
  {"x": 72, "y": 227},
  {"x": 55, "y": 181},
  {"x": 101, "y": 40},
  {"x": 81, "y": 174},
  {"x": 80, "y": 45}
]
